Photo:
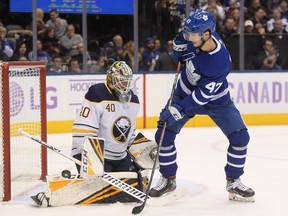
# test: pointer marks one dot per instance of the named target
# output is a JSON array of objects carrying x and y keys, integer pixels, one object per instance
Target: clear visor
[{"x": 189, "y": 36}]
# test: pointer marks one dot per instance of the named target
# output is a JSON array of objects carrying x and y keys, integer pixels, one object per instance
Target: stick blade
[{"x": 138, "y": 209}]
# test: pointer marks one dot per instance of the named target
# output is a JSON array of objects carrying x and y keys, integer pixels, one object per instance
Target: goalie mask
[{"x": 119, "y": 78}]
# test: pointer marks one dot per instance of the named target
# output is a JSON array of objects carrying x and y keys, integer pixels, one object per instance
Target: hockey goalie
[
  {"x": 114, "y": 161},
  {"x": 93, "y": 184}
]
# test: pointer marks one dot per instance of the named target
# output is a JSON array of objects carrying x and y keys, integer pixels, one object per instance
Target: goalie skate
[
  {"x": 239, "y": 192},
  {"x": 41, "y": 200}
]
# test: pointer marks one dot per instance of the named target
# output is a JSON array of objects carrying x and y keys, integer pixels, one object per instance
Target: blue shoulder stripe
[{"x": 99, "y": 92}]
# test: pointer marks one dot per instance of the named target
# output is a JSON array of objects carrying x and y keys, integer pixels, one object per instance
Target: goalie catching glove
[{"x": 144, "y": 151}]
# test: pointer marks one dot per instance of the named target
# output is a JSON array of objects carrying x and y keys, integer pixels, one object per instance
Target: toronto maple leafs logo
[
  {"x": 121, "y": 129},
  {"x": 205, "y": 17},
  {"x": 192, "y": 77}
]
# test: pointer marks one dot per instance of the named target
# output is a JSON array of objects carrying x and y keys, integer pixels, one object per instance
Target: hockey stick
[
  {"x": 138, "y": 209},
  {"x": 106, "y": 177}
]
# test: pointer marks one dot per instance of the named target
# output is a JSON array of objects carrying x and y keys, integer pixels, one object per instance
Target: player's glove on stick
[
  {"x": 172, "y": 114},
  {"x": 179, "y": 47}
]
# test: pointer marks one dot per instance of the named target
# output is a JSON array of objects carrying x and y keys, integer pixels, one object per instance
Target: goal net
[{"x": 22, "y": 105}]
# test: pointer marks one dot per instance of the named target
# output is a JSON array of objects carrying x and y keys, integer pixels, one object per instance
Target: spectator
[
  {"x": 268, "y": 57},
  {"x": 117, "y": 49},
  {"x": 7, "y": 45},
  {"x": 70, "y": 41},
  {"x": 279, "y": 37},
  {"x": 100, "y": 65},
  {"x": 253, "y": 6},
  {"x": 41, "y": 26},
  {"x": 150, "y": 55},
  {"x": 107, "y": 49},
  {"x": 283, "y": 7},
  {"x": 193, "y": 6},
  {"x": 74, "y": 66},
  {"x": 51, "y": 44},
  {"x": 235, "y": 14},
  {"x": 66, "y": 59},
  {"x": 166, "y": 62},
  {"x": 233, "y": 4},
  {"x": 21, "y": 50},
  {"x": 57, "y": 66},
  {"x": 259, "y": 20},
  {"x": 228, "y": 36},
  {"x": 272, "y": 4},
  {"x": 41, "y": 55},
  {"x": 175, "y": 15},
  {"x": 128, "y": 54},
  {"x": 169, "y": 17},
  {"x": 57, "y": 23},
  {"x": 276, "y": 15},
  {"x": 92, "y": 57},
  {"x": 215, "y": 7},
  {"x": 227, "y": 31},
  {"x": 252, "y": 45},
  {"x": 158, "y": 45},
  {"x": 3, "y": 55}
]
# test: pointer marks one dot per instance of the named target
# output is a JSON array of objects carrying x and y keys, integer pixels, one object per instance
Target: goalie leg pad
[
  {"x": 92, "y": 157},
  {"x": 62, "y": 191}
]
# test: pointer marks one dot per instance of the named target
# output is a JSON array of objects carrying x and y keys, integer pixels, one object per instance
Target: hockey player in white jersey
[
  {"x": 203, "y": 90},
  {"x": 104, "y": 142},
  {"x": 109, "y": 110}
]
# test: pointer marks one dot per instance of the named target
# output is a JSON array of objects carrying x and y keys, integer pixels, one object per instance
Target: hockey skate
[
  {"x": 41, "y": 200},
  {"x": 238, "y": 191},
  {"x": 163, "y": 186}
]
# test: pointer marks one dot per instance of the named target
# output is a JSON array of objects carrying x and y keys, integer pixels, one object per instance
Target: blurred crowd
[{"x": 60, "y": 42}]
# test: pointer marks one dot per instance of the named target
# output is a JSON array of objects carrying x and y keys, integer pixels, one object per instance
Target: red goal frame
[{"x": 6, "y": 121}]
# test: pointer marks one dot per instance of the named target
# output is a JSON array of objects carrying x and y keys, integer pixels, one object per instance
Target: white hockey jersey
[{"x": 104, "y": 116}]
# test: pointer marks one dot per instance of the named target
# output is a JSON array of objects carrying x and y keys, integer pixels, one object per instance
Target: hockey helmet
[
  {"x": 199, "y": 22},
  {"x": 119, "y": 78}
]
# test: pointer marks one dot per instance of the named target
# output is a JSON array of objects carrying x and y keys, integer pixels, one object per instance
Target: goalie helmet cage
[{"x": 22, "y": 105}]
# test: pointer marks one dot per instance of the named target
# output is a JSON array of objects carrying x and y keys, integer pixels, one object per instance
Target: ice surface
[{"x": 201, "y": 161}]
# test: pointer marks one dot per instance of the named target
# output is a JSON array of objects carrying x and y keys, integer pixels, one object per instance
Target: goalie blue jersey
[{"x": 203, "y": 79}]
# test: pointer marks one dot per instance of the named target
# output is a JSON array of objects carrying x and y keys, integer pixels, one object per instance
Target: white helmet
[{"x": 119, "y": 78}]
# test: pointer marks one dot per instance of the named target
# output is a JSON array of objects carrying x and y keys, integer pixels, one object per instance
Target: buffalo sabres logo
[{"x": 121, "y": 129}]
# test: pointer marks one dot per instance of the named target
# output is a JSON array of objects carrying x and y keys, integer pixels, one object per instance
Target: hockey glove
[
  {"x": 179, "y": 47},
  {"x": 172, "y": 114}
]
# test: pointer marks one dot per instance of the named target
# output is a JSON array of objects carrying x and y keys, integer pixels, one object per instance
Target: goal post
[{"x": 22, "y": 105}]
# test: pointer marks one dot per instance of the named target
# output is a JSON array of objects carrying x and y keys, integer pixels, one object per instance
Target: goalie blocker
[{"x": 92, "y": 186}]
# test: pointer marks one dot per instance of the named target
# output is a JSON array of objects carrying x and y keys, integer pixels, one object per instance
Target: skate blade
[
  {"x": 168, "y": 198},
  {"x": 238, "y": 198}
]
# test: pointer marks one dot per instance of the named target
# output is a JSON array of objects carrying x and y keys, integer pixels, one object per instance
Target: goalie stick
[
  {"x": 138, "y": 209},
  {"x": 141, "y": 196}
]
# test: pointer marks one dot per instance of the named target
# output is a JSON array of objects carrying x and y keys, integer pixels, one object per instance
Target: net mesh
[{"x": 25, "y": 112}]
